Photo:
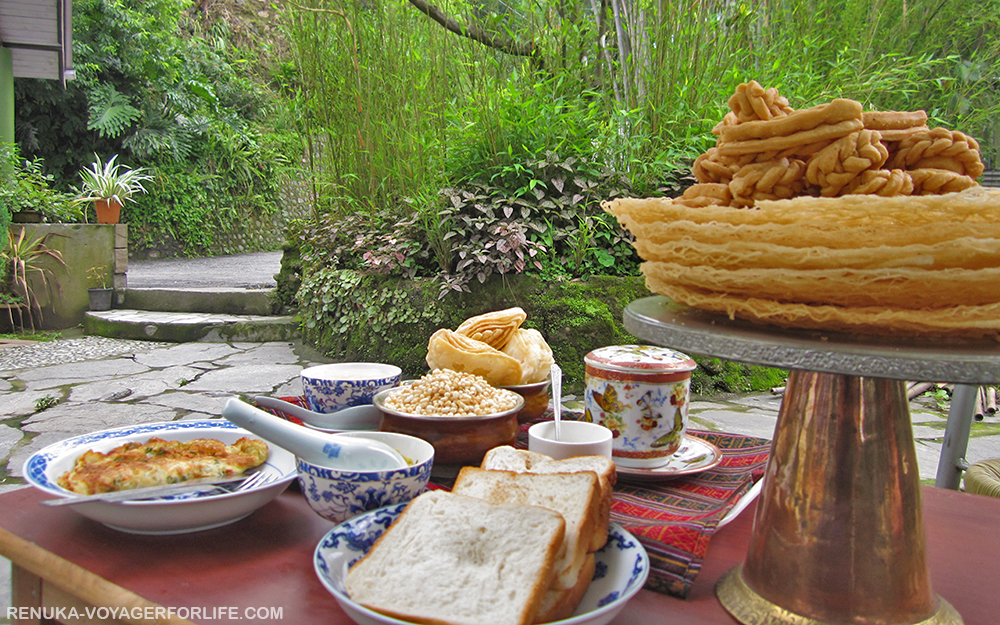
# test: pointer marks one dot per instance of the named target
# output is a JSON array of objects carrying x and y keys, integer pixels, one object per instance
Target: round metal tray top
[{"x": 928, "y": 359}]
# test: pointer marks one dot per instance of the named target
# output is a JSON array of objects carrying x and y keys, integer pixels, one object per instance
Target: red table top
[{"x": 265, "y": 560}]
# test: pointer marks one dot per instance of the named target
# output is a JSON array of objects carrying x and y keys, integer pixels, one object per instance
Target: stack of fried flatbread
[
  {"x": 902, "y": 257},
  {"x": 495, "y": 346}
]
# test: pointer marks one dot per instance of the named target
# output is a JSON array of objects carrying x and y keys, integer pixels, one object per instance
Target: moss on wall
[{"x": 351, "y": 316}]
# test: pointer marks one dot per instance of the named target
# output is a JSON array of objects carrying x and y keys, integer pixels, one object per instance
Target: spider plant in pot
[
  {"x": 23, "y": 260},
  {"x": 99, "y": 288},
  {"x": 109, "y": 185}
]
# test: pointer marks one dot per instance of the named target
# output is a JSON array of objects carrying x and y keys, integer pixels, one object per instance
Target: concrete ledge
[
  {"x": 189, "y": 327},
  {"x": 227, "y": 301}
]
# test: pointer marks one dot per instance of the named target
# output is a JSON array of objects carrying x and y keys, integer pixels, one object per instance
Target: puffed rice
[{"x": 444, "y": 392}]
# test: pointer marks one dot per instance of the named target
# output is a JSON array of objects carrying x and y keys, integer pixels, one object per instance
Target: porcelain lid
[{"x": 639, "y": 358}]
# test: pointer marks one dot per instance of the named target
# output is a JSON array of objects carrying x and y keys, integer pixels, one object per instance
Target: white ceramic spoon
[
  {"x": 342, "y": 453},
  {"x": 556, "y": 374},
  {"x": 353, "y": 418}
]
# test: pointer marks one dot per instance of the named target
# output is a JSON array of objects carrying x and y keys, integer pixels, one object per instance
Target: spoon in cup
[{"x": 556, "y": 374}]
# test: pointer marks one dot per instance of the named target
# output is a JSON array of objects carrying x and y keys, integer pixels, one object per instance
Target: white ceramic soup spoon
[
  {"x": 364, "y": 417},
  {"x": 329, "y": 450}
]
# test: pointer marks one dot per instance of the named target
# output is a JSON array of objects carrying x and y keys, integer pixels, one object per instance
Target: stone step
[
  {"x": 216, "y": 300},
  {"x": 185, "y": 327}
]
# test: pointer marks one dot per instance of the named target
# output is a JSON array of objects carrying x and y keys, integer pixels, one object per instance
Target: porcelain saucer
[{"x": 694, "y": 456}]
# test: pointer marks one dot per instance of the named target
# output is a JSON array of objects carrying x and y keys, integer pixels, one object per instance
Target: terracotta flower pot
[{"x": 108, "y": 211}]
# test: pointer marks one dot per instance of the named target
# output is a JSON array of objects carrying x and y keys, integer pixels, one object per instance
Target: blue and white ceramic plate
[
  {"x": 189, "y": 512},
  {"x": 621, "y": 572}
]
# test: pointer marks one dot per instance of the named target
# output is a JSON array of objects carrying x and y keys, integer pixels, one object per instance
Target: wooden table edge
[{"x": 43, "y": 567}]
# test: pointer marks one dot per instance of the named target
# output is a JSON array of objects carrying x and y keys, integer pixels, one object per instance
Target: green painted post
[{"x": 6, "y": 96}]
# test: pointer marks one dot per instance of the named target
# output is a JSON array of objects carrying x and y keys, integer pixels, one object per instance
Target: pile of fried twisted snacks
[
  {"x": 767, "y": 150},
  {"x": 829, "y": 218}
]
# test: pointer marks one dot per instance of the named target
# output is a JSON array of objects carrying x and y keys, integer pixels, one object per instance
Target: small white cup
[{"x": 577, "y": 438}]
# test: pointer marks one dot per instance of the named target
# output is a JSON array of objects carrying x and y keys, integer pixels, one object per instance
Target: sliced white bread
[
  {"x": 576, "y": 496},
  {"x": 560, "y": 604},
  {"x": 507, "y": 458},
  {"x": 455, "y": 560}
]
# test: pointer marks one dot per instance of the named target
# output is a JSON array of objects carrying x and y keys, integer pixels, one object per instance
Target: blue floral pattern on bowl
[
  {"x": 340, "y": 495},
  {"x": 621, "y": 569},
  {"x": 333, "y": 387}
]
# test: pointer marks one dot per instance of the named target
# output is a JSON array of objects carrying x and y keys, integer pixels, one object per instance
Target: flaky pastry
[
  {"x": 448, "y": 349},
  {"x": 530, "y": 349},
  {"x": 493, "y": 328}
]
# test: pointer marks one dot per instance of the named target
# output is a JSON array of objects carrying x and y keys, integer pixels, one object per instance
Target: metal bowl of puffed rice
[{"x": 458, "y": 413}]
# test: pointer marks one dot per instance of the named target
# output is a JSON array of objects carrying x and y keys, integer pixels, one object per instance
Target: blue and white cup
[{"x": 333, "y": 387}]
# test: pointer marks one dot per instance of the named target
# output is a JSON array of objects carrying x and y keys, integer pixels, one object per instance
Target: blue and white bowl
[
  {"x": 621, "y": 571},
  {"x": 332, "y": 387},
  {"x": 340, "y": 495}
]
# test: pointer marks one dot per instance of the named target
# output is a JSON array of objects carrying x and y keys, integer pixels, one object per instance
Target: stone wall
[
  {"x": 252, "y": 233},
  {"x": 63, "y": 294}
]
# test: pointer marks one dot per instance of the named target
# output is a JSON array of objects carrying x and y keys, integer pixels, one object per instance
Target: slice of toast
[
  {"x": 456, "y": 560},
  {"x": 576, "y": 496},
  {"x": 560, "y": 604},
  {"x": 507, "y": 458}
]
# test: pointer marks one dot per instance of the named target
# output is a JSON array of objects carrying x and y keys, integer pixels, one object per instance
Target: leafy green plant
[
  {"x": 941, "y": 398},
  {"x": 111, "y": 181},
  {"x": 45, "y": 402},
  {"x": 25, "y": 186},
  {"x": 468, "y": 233},
  {"x": 173, "y": 90},
  {"x": 99, "y": 277},
  {"x": 23, "y": 259}
]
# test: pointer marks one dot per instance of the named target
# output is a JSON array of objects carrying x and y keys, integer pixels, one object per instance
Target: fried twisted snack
[
  {"x": 753, "y": 102},
  {"x": 834, "y": 112},
  {"x": 706, "y": 194},
  {"x": 773, "y": 180},
  {"x": 940, "y": 148},
  {"x": 893, "y": 248},
  {"x": 790, "y": 144},
  {"x": 894, "y": 120},
  {"x": 711, "y": 167},
  {"x": 928, "y": 181},
  {"x": 837, "y": 165},
  {"x": 884, "y": 182}
]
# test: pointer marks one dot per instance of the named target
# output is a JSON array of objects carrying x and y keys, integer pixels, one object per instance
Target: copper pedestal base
[
  {"x": 838, "y": 535},
  {"x": 749, "y": 607}
]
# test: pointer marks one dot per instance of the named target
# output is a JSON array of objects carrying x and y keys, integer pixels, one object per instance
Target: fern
[
  {"x": 111, "y": 115},
  {"x": 162, "y": 133}
]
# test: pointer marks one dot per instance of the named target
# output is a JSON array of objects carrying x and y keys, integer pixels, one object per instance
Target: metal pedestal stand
[{"x": 838, "y": 536}]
